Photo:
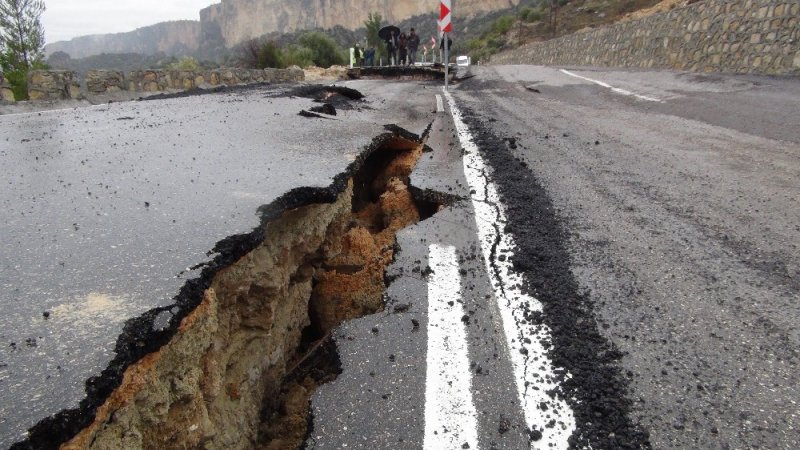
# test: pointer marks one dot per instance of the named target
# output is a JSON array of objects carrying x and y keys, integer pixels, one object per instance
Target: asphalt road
[
  {"x": 620, "y": 269},
  {"x": 654, "y": 215},
  {"x": 680, "y": 216},
  {"x": 110, "y": 211}
]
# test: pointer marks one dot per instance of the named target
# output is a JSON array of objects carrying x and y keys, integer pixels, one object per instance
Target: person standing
[
  {"x": 359, "y": 55},
  {"x": 413, "y": 45},
  {"x": 449, "y": 46},
  {"x": 369, "y": 57},
  {"x": 402, "y": 44},
  {"x": 391, "y": 48}
]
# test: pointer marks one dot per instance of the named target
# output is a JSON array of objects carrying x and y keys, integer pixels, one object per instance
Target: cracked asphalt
[{"x": 642, "y": 239}]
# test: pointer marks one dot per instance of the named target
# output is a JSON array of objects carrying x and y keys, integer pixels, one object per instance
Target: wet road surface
[
  {"x": 619, "y": 269},
  {"x": 654, "y": 214},
  {"x": 109, "y": 210}
]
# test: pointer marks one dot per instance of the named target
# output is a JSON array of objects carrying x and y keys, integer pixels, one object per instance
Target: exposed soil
[
  {"x": 596, "y": 388},
  {"x": 247, "y": 341},
  {"x": 348, "y": 284}
]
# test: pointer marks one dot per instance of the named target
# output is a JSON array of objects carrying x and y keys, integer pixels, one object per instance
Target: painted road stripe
[
  {"x": 617, "y": 90},
  {"x": 533, "y": 369},
  {"x": 450, "y": 417},
  {"x": 439, "y": 103}
]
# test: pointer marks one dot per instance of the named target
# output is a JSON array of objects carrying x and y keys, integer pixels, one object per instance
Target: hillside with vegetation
[{"x": 539, "y": 20}]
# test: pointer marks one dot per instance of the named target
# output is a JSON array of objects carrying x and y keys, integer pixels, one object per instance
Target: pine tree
[{"x": 21, "y": 41}]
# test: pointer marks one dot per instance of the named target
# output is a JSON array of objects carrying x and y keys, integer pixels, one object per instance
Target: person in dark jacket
[
  {"x": 402, "y": 46},
  {"x": 391, "y": 48},
  {"x": 413, "y": 44},
  {"x": 369, "y": 57},
  {"x": 449, "y": 46}
]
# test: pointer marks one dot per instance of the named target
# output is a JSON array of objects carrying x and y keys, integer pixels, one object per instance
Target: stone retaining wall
[
  {"x": 64, "y": 85},
  {"x": 741, "y": 36},
  {"x": 53, "y": 85},
  {"x": 6, "y": 94}
]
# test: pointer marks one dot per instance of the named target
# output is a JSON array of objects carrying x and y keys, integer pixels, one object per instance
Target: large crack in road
[{"x": 233, "y": 362}]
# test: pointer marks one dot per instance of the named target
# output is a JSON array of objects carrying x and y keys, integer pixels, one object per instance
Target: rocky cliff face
[
  {"x": 233, "y": 21},
  {"x": 173, "y": 38},
  {"x": 239, "y": 20}
]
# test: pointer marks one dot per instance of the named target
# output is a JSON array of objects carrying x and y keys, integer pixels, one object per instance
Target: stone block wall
[
  {"x": 6, "y": 94},
  {"x": 103, "y": 81},
  {"x": 740, "y": 36},
  {"x": 53, "y": 85},
  {"x": 63, "y": 85}
]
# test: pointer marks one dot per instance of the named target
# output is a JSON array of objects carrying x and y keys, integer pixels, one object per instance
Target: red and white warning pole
[{"x": 445, "y": 26}]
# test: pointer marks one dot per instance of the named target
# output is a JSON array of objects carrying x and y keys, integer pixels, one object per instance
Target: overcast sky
[{"x": 66, "y": 19}]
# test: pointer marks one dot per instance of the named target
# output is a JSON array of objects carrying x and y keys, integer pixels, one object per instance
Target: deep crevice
[{"x": 217, "y": 317}]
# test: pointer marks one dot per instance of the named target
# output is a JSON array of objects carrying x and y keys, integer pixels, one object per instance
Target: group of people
[{"x": 402, "y": 49}]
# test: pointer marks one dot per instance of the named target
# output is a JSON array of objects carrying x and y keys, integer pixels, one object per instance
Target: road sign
[{"x": 445, "y": 7}]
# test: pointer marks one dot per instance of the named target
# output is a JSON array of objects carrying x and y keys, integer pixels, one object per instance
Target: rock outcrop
[
  {"x": 239, "y": 20},
  {"x": 173, "y": 38}
]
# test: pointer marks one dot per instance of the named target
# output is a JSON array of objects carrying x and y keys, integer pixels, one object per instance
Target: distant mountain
[
  {"x": 172, "y": 38},
  {"x": 226, "y": 24}
]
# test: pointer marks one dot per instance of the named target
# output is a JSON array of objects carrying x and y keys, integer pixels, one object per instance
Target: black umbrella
[{"x": 386, "y": 32}]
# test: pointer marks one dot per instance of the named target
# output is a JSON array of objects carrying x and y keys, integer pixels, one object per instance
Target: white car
[{"x": 463, "y": 61}]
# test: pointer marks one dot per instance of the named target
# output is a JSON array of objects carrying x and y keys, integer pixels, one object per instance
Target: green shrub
[
  {"x": 531, "y": 14},
  {"x": 325, "y": 51},
  {"x": 185, "y": 63},
  {"x": 269, "y": 55},
  {"x": 294, "y": 55},
  {"x": 502, "y": 25},
  {"x": 16, "y": 73},
  {"x": 475, "y": 44}
]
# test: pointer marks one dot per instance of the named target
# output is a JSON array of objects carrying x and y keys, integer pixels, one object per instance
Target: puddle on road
[{"x": 240, "y": 368}]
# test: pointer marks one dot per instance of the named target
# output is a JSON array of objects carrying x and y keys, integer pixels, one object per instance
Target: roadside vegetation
[
  {"x": 312, "y": 48},
  {"x": 538, "y": 20},
  {"x": 21, "y": 42}
]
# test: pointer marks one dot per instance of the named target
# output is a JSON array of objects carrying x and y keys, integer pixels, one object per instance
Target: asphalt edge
[{"x": 596, "y": 388}]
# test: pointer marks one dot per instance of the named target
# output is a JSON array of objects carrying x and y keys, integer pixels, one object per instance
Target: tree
[
  {"x": 373, "y": 25},
  {"x": 21, "y": 41},
  {"x": 21, "y": 29},
  {"x": 259, "y": 54},
  {"x": 326, "y": 52}
]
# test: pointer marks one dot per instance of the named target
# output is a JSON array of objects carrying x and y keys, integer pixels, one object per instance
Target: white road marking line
[
  {"x": 450, "y": 416},
  {"x": 617, "y": 90},
  {"x": 533, "y": 369},
  {"x": 439, "y": 104}
]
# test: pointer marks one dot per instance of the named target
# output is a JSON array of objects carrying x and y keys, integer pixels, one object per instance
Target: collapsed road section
[
  {"x": 233, "y": 363},
  {"x": 111, "y": 211}
]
